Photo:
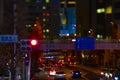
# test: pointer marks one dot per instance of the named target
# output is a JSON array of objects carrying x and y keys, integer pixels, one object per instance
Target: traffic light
[
  {"x": 34, "y": 42},
  {"x": 27, "y": 45}
]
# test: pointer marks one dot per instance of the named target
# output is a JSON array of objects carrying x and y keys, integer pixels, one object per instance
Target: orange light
[{"x": 33, "y": 42}]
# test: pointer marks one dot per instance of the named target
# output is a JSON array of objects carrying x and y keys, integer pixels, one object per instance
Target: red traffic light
[{"x": 33, "y": 42}]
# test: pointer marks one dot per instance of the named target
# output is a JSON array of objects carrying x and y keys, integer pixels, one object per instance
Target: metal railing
[{"x": 69, "y": 45}]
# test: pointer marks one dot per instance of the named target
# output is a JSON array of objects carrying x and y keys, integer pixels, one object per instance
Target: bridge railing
[
  {"x": 107, "y": 44},
  {"x": 69, "y": 45}
]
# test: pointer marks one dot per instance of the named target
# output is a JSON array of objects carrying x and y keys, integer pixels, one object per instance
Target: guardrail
[{"x": 69, "y": 45}]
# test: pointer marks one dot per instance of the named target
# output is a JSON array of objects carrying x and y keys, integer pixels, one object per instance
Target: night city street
[{"x": 59, "y": 39}]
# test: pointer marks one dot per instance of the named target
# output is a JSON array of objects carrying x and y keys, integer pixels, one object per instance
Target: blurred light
[
  {"x": 28, "y": 25},
  {"x": 44, "y": 19},
  {"x": 102, "y": 73},
  {"x": 47, "y": 30},
  {"x": 64, "y": 20},
  {"x": 73, "y": 40},
  {"x": 71, "y": 2},
  {"x": 35, "y": 24},
  {"x": 47, "y": 1},
  {"x": 116, "y": 78},
  {"x": 33, "y": 42},
  {"x": 109, "y": 10},
  {"x": 101, "y": 10},
  {"x": 44, "y": 7},
  {"x": 99, "y": 36},
  {"x": 46, "y": 14}
]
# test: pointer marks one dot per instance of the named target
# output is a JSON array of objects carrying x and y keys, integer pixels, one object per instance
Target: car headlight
[{"x": 116, "y": 78}]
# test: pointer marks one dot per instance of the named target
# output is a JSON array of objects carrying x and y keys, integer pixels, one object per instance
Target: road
[{"x": 43, "y": 75}]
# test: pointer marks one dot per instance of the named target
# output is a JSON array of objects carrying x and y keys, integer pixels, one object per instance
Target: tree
[{"x": 36, "y": 31}]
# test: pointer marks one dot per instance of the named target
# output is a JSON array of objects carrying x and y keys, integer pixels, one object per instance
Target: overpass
[{"x": 70, "y": 45}]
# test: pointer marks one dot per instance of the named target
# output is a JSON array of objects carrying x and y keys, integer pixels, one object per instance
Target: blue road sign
[
  {"x": 84, "y": 43},
  {"x": 8, "y": 38}
]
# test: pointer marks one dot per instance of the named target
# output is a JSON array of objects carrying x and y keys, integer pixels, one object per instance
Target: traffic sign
[
  {"x": 8, "y": 38},
  {"x": 84, "y": 43}
]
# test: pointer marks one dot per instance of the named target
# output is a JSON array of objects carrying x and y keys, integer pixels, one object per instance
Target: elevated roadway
[{"x": 70, "y": 45}]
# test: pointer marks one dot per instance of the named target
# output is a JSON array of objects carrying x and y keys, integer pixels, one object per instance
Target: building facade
[
  {"x": 48, "y": 12},
  {"x": 68, "y": 18},
  {"x": 116, "y": 16}
]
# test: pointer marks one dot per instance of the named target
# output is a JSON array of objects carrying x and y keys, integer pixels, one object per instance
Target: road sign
[
  {"x": 8, "y": 38},
  {"x": 84, "y": 43}
]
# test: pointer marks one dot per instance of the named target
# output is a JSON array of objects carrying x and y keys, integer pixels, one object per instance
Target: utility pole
[{"x": 13, "y": 58}]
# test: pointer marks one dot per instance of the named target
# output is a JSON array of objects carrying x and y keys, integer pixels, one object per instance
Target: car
[
  {"x": 76, "y": 74},
  {"x": 52, "y": 72},
  {"x": 103, "y": 71},
  {"x": 107, "y": 72},
  {"x": 116, "y": 75},
  {"x": 60, "y": 75}
]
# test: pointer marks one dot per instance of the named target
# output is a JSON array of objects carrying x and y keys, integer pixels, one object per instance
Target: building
[
  {"x": 85, "y": 17},
  {"x": 12, "y": 18},
  {"x": 48, "y": 12},
  {"x": 116, "y": 16},
  {"x": 68, "y": 18},
  {"x": 96, "y": 18}
]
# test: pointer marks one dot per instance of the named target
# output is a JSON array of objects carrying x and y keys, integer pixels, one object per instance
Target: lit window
[
  {"x": 71, "y": 2},
  {"x": 64, "y": 21},
  {"x": 47, "y": 30},
  {"x": 47, "y": 1},
  {"x": 43, "y": 30},
  {"x": 101, "y": 10},
  {"x": 99, "y": 36},
  {"x": 44, "y": 19},
  {"x": 28, "y": 25},
  {"x": 44, "y": 7},
  {"x": 35, "y": 24},
  {"x": 44, "y": 36},
  {"x": 46, "y": 14},
  {"x": 109, "y": 10}
]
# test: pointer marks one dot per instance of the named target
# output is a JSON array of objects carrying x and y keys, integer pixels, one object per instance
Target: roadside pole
[
  {"x": 28, "y": 65},
  {"x": 13, "y": 70}
]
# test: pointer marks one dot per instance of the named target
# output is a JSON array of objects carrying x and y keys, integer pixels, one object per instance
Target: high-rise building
[
  {"x": 12, "y": 17},
  {"x": 86, "y": 17},
  {"x": 104, "y": 19},
  {"x": 95, "y": 18},
  {"x": 48, "y": 12},
  {"x": 68, "y": 18},
  {"x": 116, "y": 17}
]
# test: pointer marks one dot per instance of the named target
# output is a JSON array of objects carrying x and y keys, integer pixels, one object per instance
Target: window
[{"x": 47, "y": 1}]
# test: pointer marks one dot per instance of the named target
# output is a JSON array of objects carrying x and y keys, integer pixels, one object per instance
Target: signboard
[
  {"x": 8, "y": 38},
  {"x": 84, "y": 43}
]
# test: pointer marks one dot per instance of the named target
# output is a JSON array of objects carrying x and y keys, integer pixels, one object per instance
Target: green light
[{"x": 47, "y": 1}]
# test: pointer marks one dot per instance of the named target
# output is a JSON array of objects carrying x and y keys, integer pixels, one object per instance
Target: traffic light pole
[
  {"x": 27, "y": 47},
  {"x": 28, "y": 65}
]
